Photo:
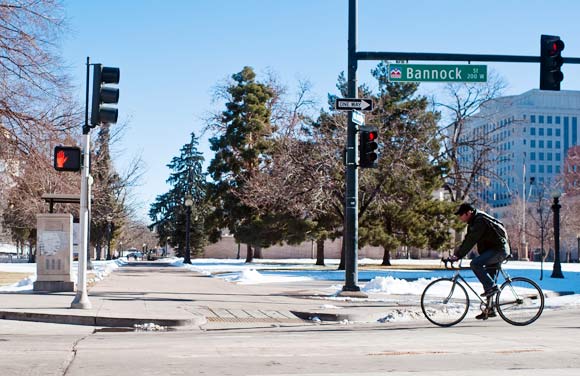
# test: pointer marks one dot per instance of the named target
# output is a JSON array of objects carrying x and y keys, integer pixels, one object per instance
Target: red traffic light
[
  {"x": 67, "y": 158},
  {"x": 556, "y": 47},
  {"x": 368, "y": 145}
]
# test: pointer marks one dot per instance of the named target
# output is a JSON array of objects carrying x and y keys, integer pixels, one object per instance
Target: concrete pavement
[{"x": 155, "y": 293}]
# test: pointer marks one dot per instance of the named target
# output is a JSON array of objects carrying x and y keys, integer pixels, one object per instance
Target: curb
[{"x": 116, "y": 322}]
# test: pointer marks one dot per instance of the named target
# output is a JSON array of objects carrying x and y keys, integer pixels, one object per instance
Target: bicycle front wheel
[
  {"x": 444, "y": 302},
  {"x": 520, "y": 301}
]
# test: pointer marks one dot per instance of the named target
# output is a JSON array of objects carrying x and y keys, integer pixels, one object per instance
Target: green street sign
[{"x": 437, "y": 73}]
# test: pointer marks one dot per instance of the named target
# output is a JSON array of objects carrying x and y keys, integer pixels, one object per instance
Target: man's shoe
[
  {"x": 485, "y": 315},
  {"x": 491, "y": 292}
]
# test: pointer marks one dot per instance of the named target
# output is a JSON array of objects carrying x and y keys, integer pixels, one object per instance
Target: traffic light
[
  {"x": 367, "y": 147},
  {"x": 104, "y": 94},
  {"x": 67, "y": 158},
  {"x": 550, "y": 62}
]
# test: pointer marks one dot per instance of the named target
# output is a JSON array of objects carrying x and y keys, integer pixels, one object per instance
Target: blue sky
[{"x": 172, "y": 53}]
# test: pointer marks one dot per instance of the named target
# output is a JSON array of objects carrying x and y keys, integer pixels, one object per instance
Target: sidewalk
[{"x": 155, "y": 293}]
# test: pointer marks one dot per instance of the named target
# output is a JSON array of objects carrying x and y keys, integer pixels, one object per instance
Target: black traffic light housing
[
  {"x": 551, "y": 61},
  {"x": 67, "y": 158},
  {"x": 104, "y": 94},
  {"x": 367, "y": 147}
]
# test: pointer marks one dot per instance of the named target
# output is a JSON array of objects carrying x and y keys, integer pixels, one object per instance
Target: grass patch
[{"x": 8, "y": 278}]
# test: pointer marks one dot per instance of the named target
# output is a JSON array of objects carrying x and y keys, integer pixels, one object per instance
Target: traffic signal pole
[
  {"x": 350, "y": 233},
  {"x": 350, "y": 238},
  {"x": 81, "y": 300}
]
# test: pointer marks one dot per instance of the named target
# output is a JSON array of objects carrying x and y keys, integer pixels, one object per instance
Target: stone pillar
[{"x": 54, "y": 244}]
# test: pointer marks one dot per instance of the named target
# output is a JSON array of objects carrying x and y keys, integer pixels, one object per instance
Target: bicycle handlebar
[{"x": 446, "y": 260}]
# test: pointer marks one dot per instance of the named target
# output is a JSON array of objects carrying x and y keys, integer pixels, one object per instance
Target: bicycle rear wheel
[
  {"x": 520, "y": 301},
  {"x": 444, "y": 302}
]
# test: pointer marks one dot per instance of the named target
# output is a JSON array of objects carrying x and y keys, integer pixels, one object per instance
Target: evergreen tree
[
  {"x": 168, "y": 212},
  {"x": 240, "y": 150},
  {"x": 107, "y": 209},
  {"x": 397, "y": 206}
]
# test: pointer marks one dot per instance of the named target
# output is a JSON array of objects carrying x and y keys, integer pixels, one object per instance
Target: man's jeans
[{"x": 489, "y": 257}]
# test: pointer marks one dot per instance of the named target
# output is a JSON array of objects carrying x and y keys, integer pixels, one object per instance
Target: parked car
[{"x": 135, "y": 255}]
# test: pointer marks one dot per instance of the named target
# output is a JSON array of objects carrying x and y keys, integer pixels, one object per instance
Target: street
[{"x": 550, "y": 346}]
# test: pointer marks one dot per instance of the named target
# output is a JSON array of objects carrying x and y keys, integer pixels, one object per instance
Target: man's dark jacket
[{"x": 487, "y": 232}]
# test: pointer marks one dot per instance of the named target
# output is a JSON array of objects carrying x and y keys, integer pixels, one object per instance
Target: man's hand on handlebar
[{"x": 451, "y": 259}]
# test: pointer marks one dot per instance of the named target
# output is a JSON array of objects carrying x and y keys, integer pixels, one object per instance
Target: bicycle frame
[{"x": 457, "y": 276}]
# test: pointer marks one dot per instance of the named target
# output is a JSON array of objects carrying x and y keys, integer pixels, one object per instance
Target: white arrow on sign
[{"x": 348, "y": 104}]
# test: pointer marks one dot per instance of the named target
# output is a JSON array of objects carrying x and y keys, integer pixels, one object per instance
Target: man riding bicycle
[{"x": 492, "y": 245}]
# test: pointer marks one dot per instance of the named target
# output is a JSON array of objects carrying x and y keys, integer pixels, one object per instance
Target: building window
[
  {"x": 548, "y": 131},
  {"x": 541, "y": 119},
  {"x": 533, "y": 168},
  {"x": 532, "y": 118},
  {"x": 549, "y": 120},
  {"x": 532, "y": 156},
  {"x": 558, "y": 120},
  {"x": 549, "y": 167},
  {"x": 541, "y": 156},
  {"x": 532, "y": 143},
  {"x": 540, "y": 131},
  {"x": 557, "y": 169},
  {"x": 549, "y": 156},
  {"x": 558, "y": 156},
  {"x": 541, "y": 144},
  {"x": 549, "y": 144},
  {"x": 541, "y": 169},
  {"x": 532, "y": 131},
  {"x": 558, "y": 133},
  {"x": 558, "y": 144}
]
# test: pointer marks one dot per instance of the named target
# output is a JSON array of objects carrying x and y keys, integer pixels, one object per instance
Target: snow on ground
[
  {"x": 100, "y": 270},
  {"x": 376, "y": 282}
]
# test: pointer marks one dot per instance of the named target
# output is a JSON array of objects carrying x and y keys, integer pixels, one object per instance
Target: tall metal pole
[
  {"x": 81, "y": 300},
  {"x": 351, "y": 199},
  {"x": 187, "y": 258},
  {"x": 524, "y": 250},
  {"x": 557, "y": 271}
]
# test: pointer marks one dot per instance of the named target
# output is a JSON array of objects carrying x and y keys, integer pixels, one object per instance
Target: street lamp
[
  {"x": 188, "y": 204},
  {"x": 578, "y": 248},
  {"x": 109, "y": 221},
  {"x": 557, "y": 271}
]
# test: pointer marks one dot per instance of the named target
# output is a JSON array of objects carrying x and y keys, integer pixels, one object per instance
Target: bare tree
[{"x": 462, "y": 105}]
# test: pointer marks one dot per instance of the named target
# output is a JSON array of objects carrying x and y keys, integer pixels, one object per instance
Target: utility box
[{"x": 54, "y": 247}]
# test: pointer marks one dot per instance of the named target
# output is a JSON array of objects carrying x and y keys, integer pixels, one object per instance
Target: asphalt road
[{"x": 551, "y": 346}]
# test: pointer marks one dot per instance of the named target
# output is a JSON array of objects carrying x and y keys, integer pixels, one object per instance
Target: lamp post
[
  {"x": 578, "y": 248},
  {"x": 557, "y": 271},
  {"x": 109, "y": 221},
  {"x": 167, "y": 246},
  {"x": 541, "y": 213},
  {"x": 188, "y": 205}
]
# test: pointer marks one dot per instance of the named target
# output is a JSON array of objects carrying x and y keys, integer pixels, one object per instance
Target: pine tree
[
  {"x": 168, "y": 212},
  {"x": 240, "y": 151}
]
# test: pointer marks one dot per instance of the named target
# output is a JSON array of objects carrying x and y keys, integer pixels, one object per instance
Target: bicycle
[{"x": 519, "y": 300}]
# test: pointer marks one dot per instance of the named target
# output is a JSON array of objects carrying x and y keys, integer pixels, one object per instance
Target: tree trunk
[
  {"x": 99, "y": 248},
  {"x": 342, "y": 265},
  {"x": 386, "y": 257},
  {"x": 258, "y": 252},
  {"x": 320, "y": 252},
  {"x": 31, "y": 254},
  {"x": 249, "y": 254}
]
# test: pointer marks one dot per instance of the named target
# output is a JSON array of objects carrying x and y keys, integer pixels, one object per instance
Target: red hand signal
[{"x": 61, "y": 159}]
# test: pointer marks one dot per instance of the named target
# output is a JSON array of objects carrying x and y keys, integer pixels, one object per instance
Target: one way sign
[{"x": 349, "y": 104}]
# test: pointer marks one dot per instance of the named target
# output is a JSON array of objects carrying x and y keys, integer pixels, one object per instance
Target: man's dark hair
[{"x": 464, "y": 208}]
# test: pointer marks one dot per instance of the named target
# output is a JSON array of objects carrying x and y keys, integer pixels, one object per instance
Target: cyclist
[{"x": 492, "y": 245}]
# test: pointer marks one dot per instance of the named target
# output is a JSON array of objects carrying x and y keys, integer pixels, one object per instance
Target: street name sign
[
  {"x": 437, "y": 73},
  {"x": 358, "y": 117},
  {"x": 349, "y": 104}
]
